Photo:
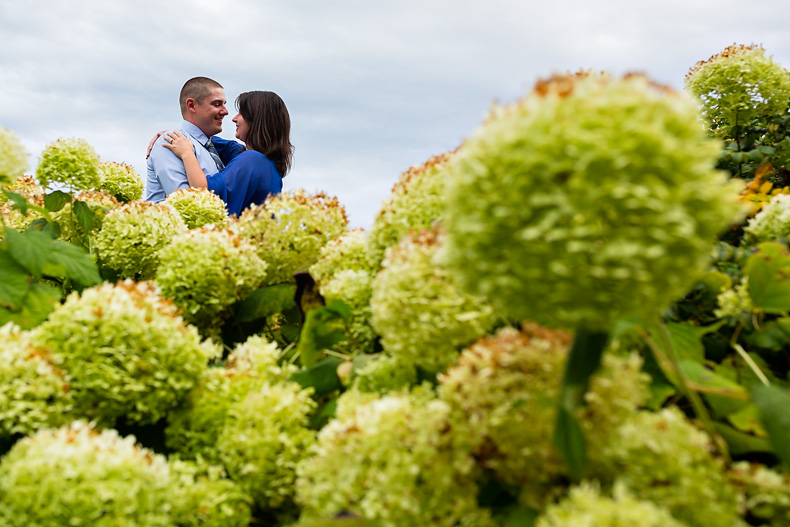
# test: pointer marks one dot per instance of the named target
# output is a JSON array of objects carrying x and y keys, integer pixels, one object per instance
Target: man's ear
[{"x": 190, "y": 104}]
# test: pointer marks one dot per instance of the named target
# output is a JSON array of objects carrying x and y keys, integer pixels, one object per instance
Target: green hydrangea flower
[
  {"x": 201, "y": 494},
  {"x": 99, "y": 201},
  {"x": 132, "y": 235},
  {"x": 71, "y": 162},
  {"x": 204, "y": 271},
  {"x": 739, "y": 86},
  {"x": 199, "y": 207},
  {"x": 289, "y": 230},
  {"x": 13, "y": 158},
  {"x": 394, "y": 463},
  {"x": 417, "y": 201},
  {"x": 264, "y": 436},
  {"x": 121, "y": 180},
  {"x": 735, "y": 302},
  {"x": 124, "y": 352},
  {"x": 384, "y": 373},
  {"x": 590, "y": 200},
  {"x": 346, "y": 252},
  {"x": 193, "y": 428},
  {"x": 419, "y": 309},
  {"x": 81, "y": 477},
  {"x": 771, "y": 223},
  {"x": 33, "y": 393},
  {"x": 25, "y": 185},
  {"x": 585, "y": 506},
  {"x": 12, "y": 217},
  {"x": 503, "y": 394},
  {"x": 663, "y": 458},
  {"x": 766, "y": 492}
]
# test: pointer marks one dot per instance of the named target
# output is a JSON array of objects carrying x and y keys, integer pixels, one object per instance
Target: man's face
[{"x": 209, "y": 113}]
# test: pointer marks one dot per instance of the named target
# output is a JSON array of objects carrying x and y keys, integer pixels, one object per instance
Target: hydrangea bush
[
  {"x": 71, "y": 162},
  {"x": 99, "y": 202},
  {"x": 199, "y": 207},
  {"x": 289, "y": 230},
  {"x": 13, "y": 158},
  {"x": 591, "y": 199},
  {"x": 121, "y": 180},
  {"x": 124, "y": 351},
  {"x": 132, "y": 235}
]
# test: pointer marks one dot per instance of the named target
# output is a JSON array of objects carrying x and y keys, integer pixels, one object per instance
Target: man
[{"x": 202, "y": 103}]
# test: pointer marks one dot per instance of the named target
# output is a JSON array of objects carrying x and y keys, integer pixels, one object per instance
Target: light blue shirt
[{"x": 166, "y": 172}]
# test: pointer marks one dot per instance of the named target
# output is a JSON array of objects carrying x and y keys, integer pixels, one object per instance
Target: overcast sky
[{"x": 372, "y": 87}]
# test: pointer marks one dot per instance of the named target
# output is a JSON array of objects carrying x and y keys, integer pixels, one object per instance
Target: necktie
[{"x": 213, "y": 151}]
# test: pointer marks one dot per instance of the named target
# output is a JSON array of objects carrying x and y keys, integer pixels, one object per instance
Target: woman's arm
[
  {"x": 227, "y": 149},
  {"x": 182, "y": 147}
]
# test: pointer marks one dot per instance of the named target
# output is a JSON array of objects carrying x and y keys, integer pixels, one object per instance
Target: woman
[{"x": 254, "y": 173}]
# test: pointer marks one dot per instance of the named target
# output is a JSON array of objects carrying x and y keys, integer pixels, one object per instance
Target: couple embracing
[{"x": 194, "y": 156}]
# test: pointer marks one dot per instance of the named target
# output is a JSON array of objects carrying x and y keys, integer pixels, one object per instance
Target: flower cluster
[
  {"x": 132, "y": 235},
  {"x": 758, "y": 193},
  {"x": 417, "y": 201},
  {"x": 663, "y": 458},
  {"x": 384, "y": 373},
  {"x": 13, "y": 158},
  {"x": 346, "y": 252},
  {"x": 591, "y": 199},
  {"x": 418, "y": 307},
  {"x": 81, "y": 477},
  {"x": 739, "y": 85},
  {"x": 586, "y": 506},
  {"x": 72, "y": 162},
  {"x": 264, "y": 437},
  {"x": 194, "y": 427},
  {"x": 392, "y": 462},
  {"x": 33, "y": 393},
  {"x": 770, "y": 223},
  {"x": 289, "y": 230},
  {"x": 33, "y": 194},
  {"x": 124, "y": 352},
  {"x": 99, "y": 201},
  {"x": 735, "y": 302},
  {"x": 121, "y": 181},
  {"x": 201, "y": 494},
  {"x": 203, "y": 271},
  {"x": 199, "y": 207},
  {"x": 766, "y": 492}
]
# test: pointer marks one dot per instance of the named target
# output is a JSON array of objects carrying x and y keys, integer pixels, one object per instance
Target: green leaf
[
  {"x": 774, "y": 406},
  {"x": 322, "y": 376},
  {"x": 54, "y": 201},
  {"x": 324, "y": 414},
  {"x": 42, "y": 225},
  {"x": 84, "y": 214},
  {"x": 710, "y": 383},
  {"x": 569, "y": 440},
  {"x": 740, "y": 443},
  {"x": 768, "y": 271},
  {"x": 30, "y": 249},
  {"x": 521, "y": 518},
  {"x": 40, "y": 301},
  {"x": 772, "y": 335},
  {"x": 322, "y": 329},
  {"x": 748, "y": 420},
  {"x": 78, "y": 265},
  {"x": 14, "y": 281},
  {"x": 266, "y": 301},
  {"x": 19, "y": 200}
]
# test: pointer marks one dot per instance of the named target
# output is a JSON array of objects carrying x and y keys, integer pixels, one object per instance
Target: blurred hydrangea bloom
[
  {"x": 125, "y": 352},
  {"x": 99, "y": 201},
  {"x": 13, "y": 158},
  {"x": 585, "y": 506},
  {"x": 591, "y": 199},
  {"x": 78, "y": 476},
  {"x": 132, "y": 235},
  {"x": 193, "y": 428},
  {"x": 33, "y": 194},
  {"x": 204, "y": 271},
  {"x": 264, "y": 436},
  {"x": 348, "y": 251},
  {"x": 738, "y": 86},
  {"x": 417, "y": 200},
  {"x": 71, "y": 162},
  {"x": 202, "y": 495},
  {"x": 766, "y": 492},
  {"x": 34, "y": 394},
  {"x": 384, "y": 373},
  {"x": 503, "y": 395},
  {"x": 770, "y": 223},
  {"x": 199, "y": 207},
  {"x": 735, "y": 302},
  {"x": 663, "y": 458},
  {"x": 418, "y": 307},
  {"x": 289, "y": 230},
  {"x": 393, "y": 462},
  {"x": 121, "y": 180}
]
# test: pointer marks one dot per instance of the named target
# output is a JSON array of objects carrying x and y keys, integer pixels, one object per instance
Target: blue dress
[{"x": 249, "y": 177}]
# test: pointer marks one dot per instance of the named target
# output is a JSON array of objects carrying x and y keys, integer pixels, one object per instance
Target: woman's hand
[
  {"x": 179, "y": 144},
  {"x": 151, "y": 144}
]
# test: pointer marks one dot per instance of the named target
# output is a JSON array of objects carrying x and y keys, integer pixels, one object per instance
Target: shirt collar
[{"x": 194, "y": 131}]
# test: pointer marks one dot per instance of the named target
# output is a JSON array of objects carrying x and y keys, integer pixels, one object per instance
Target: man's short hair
[{"x": 196, "y": 88}]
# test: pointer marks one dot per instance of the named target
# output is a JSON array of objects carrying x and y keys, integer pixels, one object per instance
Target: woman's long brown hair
[{"x": 270, "y": 127}]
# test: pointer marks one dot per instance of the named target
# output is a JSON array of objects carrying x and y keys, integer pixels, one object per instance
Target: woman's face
[{"x": 242, "y": 128}]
